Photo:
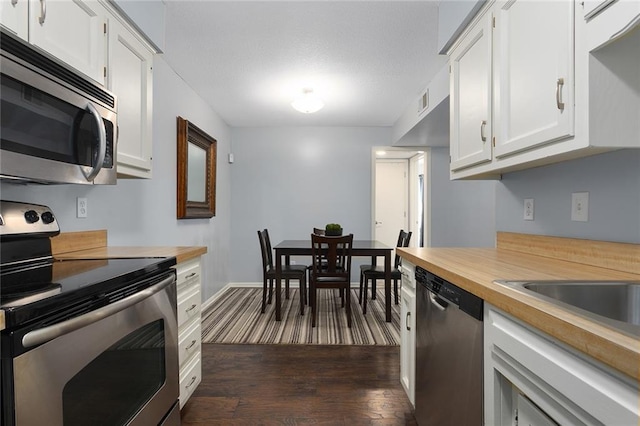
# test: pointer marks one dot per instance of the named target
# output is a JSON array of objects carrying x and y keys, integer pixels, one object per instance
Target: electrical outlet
[
  {"x": 580, "y": 206},
  {"x": 81, "y": 207},
  {"x": 528, "y": 209}
]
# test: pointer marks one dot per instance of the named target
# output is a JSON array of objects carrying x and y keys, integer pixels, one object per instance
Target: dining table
[{"x": 370, "y": 248}]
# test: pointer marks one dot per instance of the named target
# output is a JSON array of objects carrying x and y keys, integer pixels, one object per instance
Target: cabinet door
[
  {"x": 407, "y": 342},
  {"x": 14, "y": 16},
  {"x": 130, "y": 79},
  {"x": 533, "y": 74},
  {"x": 470, "y": 99},
  {"x": 72, "y": 31}
]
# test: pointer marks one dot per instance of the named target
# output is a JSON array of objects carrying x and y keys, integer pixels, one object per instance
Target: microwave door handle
[{"x": 102, "y": 142}]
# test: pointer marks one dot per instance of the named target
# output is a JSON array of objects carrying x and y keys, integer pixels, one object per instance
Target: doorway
[{"x": 400, "y": 201}]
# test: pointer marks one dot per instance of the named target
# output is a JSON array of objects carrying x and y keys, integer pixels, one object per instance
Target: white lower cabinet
[
  {"x": 538, "y": 380},
  {"x": 189, "y": 327},
  {"x": 408, "y": 331}
]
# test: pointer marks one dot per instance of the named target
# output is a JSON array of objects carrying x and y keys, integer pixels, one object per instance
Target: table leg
[
  {"x": 387, "y": 285},
  {"x": 278, "y": 285}
]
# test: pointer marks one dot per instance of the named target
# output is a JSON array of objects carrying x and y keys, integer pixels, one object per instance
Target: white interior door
[{"x": 391, "y": 200}]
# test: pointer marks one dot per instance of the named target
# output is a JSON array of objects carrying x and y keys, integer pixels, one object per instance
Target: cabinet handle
[
  {"x": 43, "y": 11},
  {"x": 14, "y": 2},
  {"x": 193, "y": 274},
  {"x": 483, "y": 124},
  {"x": 191, "y": 308},
  {"x": 407, "y": 321},
  {"x": 193, "y": 342},
  {"x": 559, "y": 102},
  {"x": 193, "y": 379}
]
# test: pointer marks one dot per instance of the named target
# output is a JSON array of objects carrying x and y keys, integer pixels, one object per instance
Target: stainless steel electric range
[{"x": 83, "y": 341}]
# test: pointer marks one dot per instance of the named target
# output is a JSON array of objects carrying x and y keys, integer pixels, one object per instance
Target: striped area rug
[{"x": 235, "y": 318}]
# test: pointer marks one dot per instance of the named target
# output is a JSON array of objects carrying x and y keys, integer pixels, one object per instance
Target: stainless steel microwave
[{"x": 56, "y": 126}]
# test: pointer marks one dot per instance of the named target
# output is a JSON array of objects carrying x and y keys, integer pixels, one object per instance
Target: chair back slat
[
  {"x": 267, "y": 242},
  {"x": 403, "y": 241},
  {"x": 331, "y": 256},
  {"x": 266, "y": 264}
]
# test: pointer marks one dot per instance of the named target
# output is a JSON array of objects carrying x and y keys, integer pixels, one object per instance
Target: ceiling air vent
[{"x": 423, "y": 102}]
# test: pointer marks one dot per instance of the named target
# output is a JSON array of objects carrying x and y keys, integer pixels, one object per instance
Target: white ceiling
[{"x": 367, "y": 60}]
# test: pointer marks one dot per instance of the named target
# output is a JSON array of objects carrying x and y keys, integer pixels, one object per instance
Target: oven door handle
[{"x": 43, "y": 335}]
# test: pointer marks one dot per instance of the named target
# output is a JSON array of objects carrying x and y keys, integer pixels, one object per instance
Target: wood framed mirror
[{"x": 196, "y": 172}]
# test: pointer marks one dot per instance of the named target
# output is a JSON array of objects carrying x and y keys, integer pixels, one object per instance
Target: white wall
[
  {"x": 613, "y": 183},
  {"x": 291, "y": 180},
  {"x": 462, "y": 212},
  {"x": 141, "y": 211}
]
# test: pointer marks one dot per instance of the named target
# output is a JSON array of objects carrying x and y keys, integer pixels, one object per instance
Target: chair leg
[
  {"x": 270, "y": 290},
  {"x": 395, "y": 289},
  {"x": 342, "y": 297},
  {"x": 264, "y": 294},
  {"x": 348, "y": 296},
  {"x": 286, "y": 287},
  {"x": 364, "y": 300},
  {"x": 373, "y": 289},
  {"x": 303, "y": 293},
  {"x": 314, "y": 310},
  {"x": 361, "y": 286}
]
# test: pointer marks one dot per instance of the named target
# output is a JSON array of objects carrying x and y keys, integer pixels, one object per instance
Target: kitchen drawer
[
  {"x": 188, "y": 273},
  {"x": 408, "y": 271},
  {"x": 189, "y": 305},
  {"x": 189, "y": 341},
  {"x": 190, "y": 378}
]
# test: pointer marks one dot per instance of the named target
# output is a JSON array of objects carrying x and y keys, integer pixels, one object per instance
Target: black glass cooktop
[{"x": 30, "y": 293}]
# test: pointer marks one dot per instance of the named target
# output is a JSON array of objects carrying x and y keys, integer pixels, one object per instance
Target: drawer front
[
  {"x": 189, "y": 342},
  {"x": 188, "y": 273},
  {"x": 190, "y": 378},
  {"x": 189, "y": 305}
]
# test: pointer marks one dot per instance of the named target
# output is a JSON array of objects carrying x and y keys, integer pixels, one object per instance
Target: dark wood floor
[{"x": 299, "y": 384}]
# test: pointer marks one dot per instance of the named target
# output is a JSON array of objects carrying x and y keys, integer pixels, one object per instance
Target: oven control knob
[
  {"x": 31, "y": 216},
  {"x": 47, "y": 217}
]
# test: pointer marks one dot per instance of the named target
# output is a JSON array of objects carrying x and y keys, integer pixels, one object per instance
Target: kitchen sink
[{"x": 614, "y": 303}]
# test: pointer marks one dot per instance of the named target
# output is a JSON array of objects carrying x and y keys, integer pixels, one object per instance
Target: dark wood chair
[
  {"x": 374, "y": 272},
  {"x": 289, "y": 272},
  {"x": 335, "y": 273}
]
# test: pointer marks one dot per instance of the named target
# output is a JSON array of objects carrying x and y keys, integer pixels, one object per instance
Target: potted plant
[{"x": 333, "y": 230}]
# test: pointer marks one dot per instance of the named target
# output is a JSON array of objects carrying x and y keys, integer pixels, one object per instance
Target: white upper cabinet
[
  {"x": 14, "y": 17},
  {"x": 533, "y": 74},
  {"x": 470, "y": 97},
  {"x": 130, "y": 79},
  {"x": 72, "y": 31},
  {"x": 559, "y": 86}
]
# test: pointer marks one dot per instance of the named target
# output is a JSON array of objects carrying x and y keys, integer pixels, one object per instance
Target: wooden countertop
[
  {"x": 475, "y": 269},
  {"x": 93, "y": 245},
  {"x": 181, "y": 253}
]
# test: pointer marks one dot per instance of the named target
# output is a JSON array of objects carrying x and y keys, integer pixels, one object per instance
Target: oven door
[
  {"x": 116, "y": 365},
  {"x": 52, "y": 132}
]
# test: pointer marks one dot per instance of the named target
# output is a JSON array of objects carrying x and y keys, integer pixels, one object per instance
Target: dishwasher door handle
[{"x": 437, "y": 302}]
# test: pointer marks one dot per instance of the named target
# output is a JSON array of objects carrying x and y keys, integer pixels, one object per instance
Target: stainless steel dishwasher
[{"x": 448, "y": 353}]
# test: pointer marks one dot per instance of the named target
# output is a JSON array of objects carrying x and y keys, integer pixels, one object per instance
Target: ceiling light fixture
[{"x": 307, "y": 103}]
